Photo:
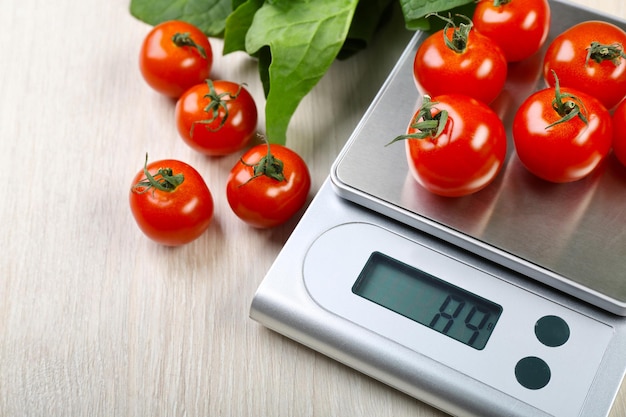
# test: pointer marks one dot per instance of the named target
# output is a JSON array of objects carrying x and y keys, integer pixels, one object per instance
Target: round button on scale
[
  {"x": 552, "y": 331},
  {"x": 532, "y": 372}
]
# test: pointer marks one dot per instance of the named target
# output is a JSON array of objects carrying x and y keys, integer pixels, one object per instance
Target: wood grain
[{"x": 95, "y": 320}]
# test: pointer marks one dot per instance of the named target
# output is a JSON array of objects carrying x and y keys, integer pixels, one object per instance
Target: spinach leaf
[
  {"x": 237, "y": 25},
  {"x": 415, "y": 10},
  {"x": 304, "y": 38},
  {"x": 209, "y": 15}
]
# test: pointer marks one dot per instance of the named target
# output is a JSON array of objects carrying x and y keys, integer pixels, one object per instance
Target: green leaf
[
  {"x": 414, "y": 11},
  {"x": 237, "y": 25},
  {"x": 209, "y": 15},
  {"x": 304, "y": 38}
]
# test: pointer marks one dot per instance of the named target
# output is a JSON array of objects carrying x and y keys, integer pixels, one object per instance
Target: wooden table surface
[{"x": 96, "y": 320}]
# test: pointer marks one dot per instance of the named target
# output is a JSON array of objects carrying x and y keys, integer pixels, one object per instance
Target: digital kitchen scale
[{"x": 508, "y": 302}]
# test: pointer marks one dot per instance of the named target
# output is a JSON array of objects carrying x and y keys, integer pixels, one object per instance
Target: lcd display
[{"x": 428, "y": 300}]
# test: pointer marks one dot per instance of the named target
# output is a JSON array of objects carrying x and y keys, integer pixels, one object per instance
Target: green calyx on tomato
[
  {"x": 269, "y": 165},
  {"x": 163, "y": 180},
  {"x": 600, "y": 53},
  {"x": 184, "y": 39},
  {"x": 460, "y": 33},
  {"x": 498, "y": 3},
  {"x": 566, "y": 105},
  {"x": 216, "y": 101},
  {"x": 426, "y": 124}
]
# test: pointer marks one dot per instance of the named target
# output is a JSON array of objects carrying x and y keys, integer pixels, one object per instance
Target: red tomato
[
  {"x": 589, "y": 57},
  {"x": 519, "y": 27},
  {"x": 170, "y": 202},
  {"x": 462, "y": 152},
  {"x": 175, "y": 56},
  {"x": 562, "y": 135},
  {"x": 619, "y": 132},
  {"x": 216, "y": 117},
  {"x": 268, "y": 185},
  {"x": 460, "y": 60}
]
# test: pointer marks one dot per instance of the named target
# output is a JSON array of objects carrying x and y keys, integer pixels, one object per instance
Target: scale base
[{"x": 284, "y": 304}]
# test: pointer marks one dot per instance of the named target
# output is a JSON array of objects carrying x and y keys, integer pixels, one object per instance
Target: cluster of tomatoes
[
  {"x": 561, "y": 133},
  {"x": 169, "y": 199}
]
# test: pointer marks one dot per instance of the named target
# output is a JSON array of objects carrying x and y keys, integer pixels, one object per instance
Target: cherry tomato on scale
[
  {"x": 561, "y": 134},
  {"x": 216, "y": 117},
  {"x": 455, "y": 145},
  {"x": 268, "y": 185},
  {"x": 519, "y": 27},
  {"x": 170, "y": 202},
  {"x": 589, "y": 57},
  {"x": 460, "y": 60},
  {"x": 619, "y": 132},
  {"x": 175, "y": 56}
]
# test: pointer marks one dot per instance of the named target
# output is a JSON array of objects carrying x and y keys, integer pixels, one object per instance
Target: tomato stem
[
  {"x": 269, "y": 165},
  {"x": 216, "y": 101},
  {"x": 184, "y": 39},
  {"x": 566, "y": 105},
  {"x": 600, "y": 53},
  {"x": 498, "y": 3},
  {"x": 163, "y": 180},
  {"x": 426, "y": 124},
  {"x": 460, "y": 33}
]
